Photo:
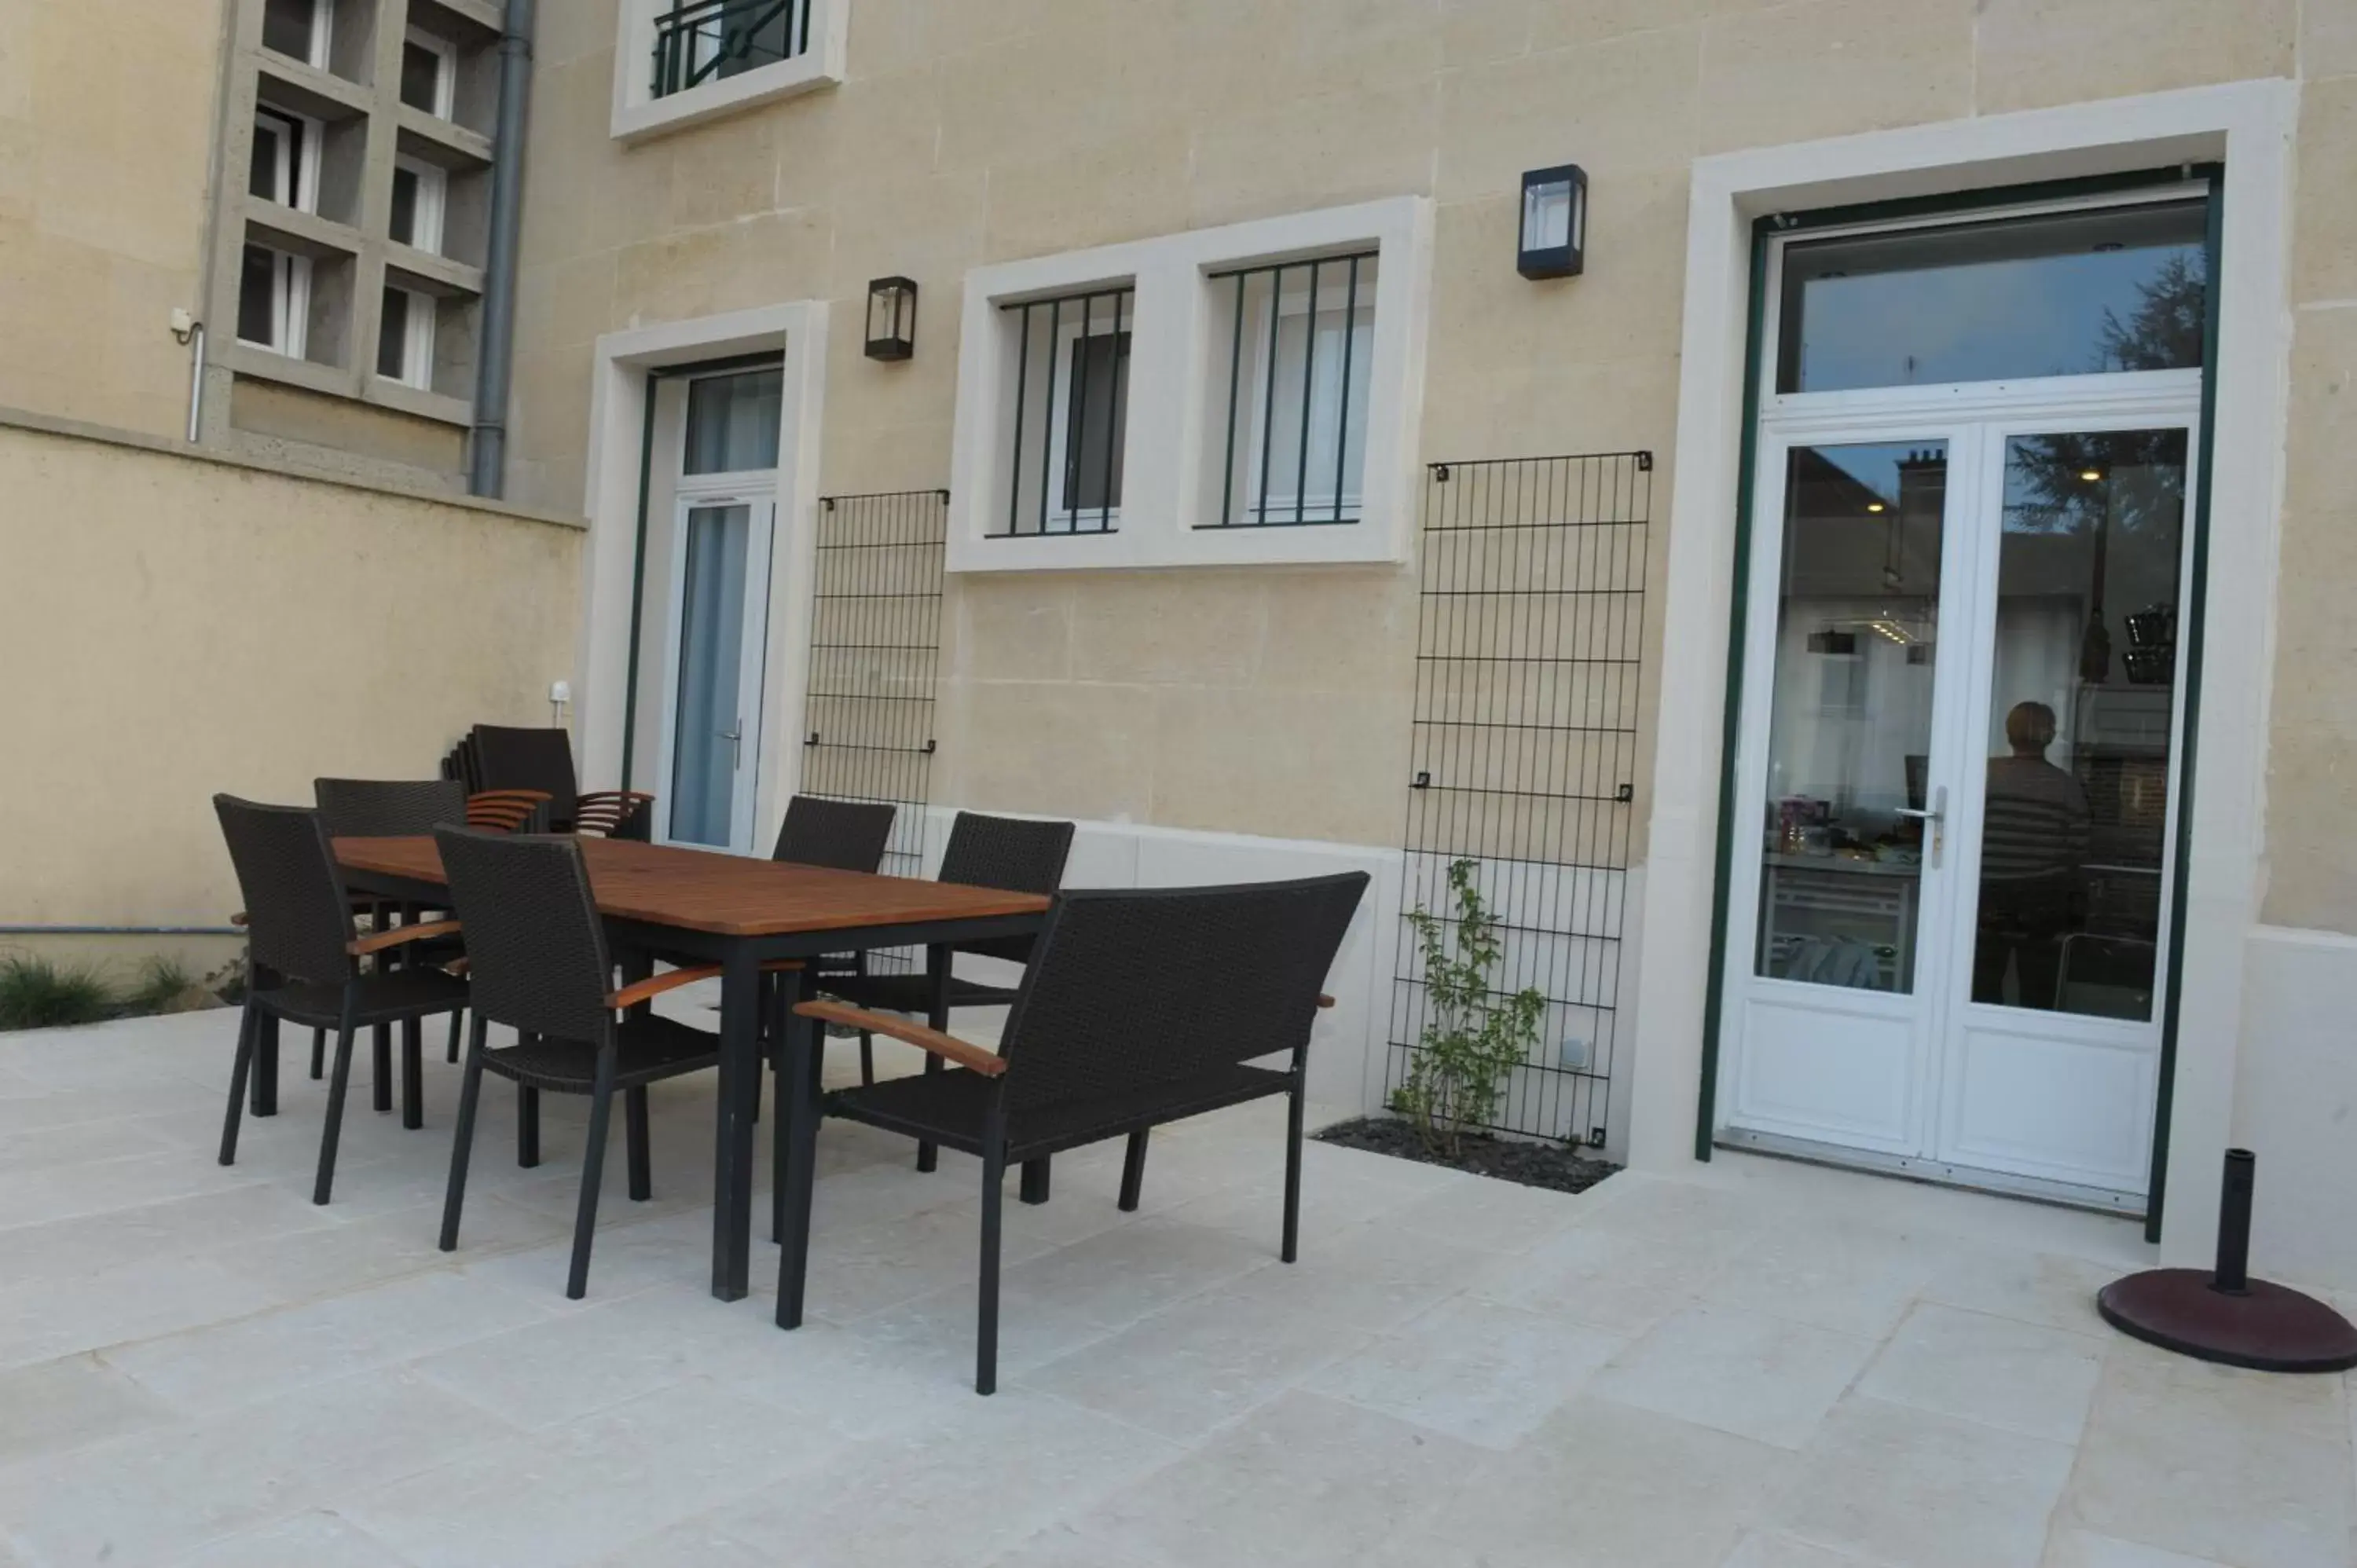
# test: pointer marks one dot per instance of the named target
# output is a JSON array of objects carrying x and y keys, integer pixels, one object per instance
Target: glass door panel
[
  {"x": 708, "y": 734},
  {"x": 1843, "y": 829},
  {"x": 2080, "y": 726}
]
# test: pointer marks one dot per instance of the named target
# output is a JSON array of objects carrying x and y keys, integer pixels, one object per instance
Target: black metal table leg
[
  {"x": 937, "y": 1016},
  {"x": 797, "y": 1132},
  {"x": 732, "y": 1177}
]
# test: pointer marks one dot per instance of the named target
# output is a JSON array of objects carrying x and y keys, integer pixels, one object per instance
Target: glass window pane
[
  {"x": 732, "y": 422},
  {"x": 1856, "y": 634},
  {"x": 2071, "y": 294},
  {"x": 2073, "y": 829},
  {"x": 1096, "y": 385},
  {"x": 403, "y": 225},
  {"x": 770, "y": 40},
  {"x": 393, "y": 336},
  {"x": 262, "y": 176},
  {"x": 421, "y": 77},
  {"x": 257, "y": 298},
  {"x": 711, "y": 656},
  {"x": 287, "y": 27}
]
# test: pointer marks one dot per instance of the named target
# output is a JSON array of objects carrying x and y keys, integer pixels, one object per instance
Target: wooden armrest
[
  {"x": 656, "y": 985},
  {"x": 633, "y": 796},
  {"x": 398, "y": 935},
  {"x": 1324, "y": 1000},
  {"x": 947, "y": 1047},
  {"x": 238, "y": 918}
]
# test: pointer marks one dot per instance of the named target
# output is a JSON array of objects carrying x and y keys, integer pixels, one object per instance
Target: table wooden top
[{"x": 725, "y": 894}]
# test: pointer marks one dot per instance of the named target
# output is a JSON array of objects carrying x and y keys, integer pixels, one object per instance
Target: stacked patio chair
[
  {"x": 499, "y": 757},
  {"x": 303, "y": 959},
  {"x": 539, "y": 964},
  {"x": 1139, "y": 1008}
]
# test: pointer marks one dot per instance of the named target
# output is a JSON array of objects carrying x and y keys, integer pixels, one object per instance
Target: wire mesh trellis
[
  {"x": 1529, "y": 654},
  {"x": 875, "y": 627}
]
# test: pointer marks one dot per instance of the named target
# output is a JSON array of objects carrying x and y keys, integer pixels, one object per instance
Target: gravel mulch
[{"x": 1550, "y": 1166}]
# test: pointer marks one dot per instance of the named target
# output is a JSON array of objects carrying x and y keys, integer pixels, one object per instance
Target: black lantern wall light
[
  {"x": 892, "y": 318},
  {"x": 1555, "y": 222}
]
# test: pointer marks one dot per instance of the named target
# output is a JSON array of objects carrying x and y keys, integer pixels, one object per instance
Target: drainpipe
[{"x": 487, "y": 472}]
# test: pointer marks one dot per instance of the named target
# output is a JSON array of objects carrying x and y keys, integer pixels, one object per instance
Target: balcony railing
[{"x": 711, "y": 40}]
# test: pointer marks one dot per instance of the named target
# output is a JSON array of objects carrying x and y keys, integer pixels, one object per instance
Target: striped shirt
[{"x": 2036, "y": 824}]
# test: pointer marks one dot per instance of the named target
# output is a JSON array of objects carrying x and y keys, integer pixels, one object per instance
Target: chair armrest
[
  {"x": 1324, "y": 1000},
  {"x": 781, "y": 966},
  {"x": 506, "y": 810},
  {"x": 907, "y": 1030},
  {"x": 656, "y": 985},
  {"x": 399, "y": 935},
  {"x": 238, "y": 918}
]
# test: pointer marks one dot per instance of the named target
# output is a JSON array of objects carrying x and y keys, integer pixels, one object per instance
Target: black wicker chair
[
  {"x": 842, "y": 835},
  {"x": 1140, "y": 1008},
  {"x": 538, "y": 962},
  {"x": 504, "y": 758},
  {"x": 302, "y": 959},
  {"x": 394, "y": 808},
  {"x": 1013, "y": 854}
]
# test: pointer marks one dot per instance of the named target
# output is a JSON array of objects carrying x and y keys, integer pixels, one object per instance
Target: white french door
[
  {"x": 1959, "y": 737},
  {"x": 719, "y": 657}
]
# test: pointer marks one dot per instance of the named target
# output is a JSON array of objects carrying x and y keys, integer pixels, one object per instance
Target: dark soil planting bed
[{"x": 1550, "y": 1166}]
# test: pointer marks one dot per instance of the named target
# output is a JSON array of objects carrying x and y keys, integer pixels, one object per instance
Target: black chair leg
[
  {"x": 380, "y": 1091},
  {"x": 1033, "y": 1188},
  {"x": 339, "y": 1081},
  {"x": 1133, "y": 1170},
  {"x": 247, "y": 1023},
  {"x": 634, "y": 1124},
  {"x": 929, "y": 1155},
  {"x": 986, "y": 1327},
  {"x": 867, "y": 1059},
  {"x": 1293, "y": 1101},
  {"x": 462, "y": 1143},
  {"x": 262, "y": 1087},
  {"x": 794, "y": 1154},
  {"x": 527, "y": 1125},
  {"x": 457, "y": 1016},
  {"x": 320, "y": 1054},
  {"x": 939, "y": 966},
  {"x": 413, "y": 1073},
  {"x": 593, "y": 1172}
]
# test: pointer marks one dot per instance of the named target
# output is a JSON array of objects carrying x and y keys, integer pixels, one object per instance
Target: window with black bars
[
  {"x": 1070, "y": 412},
  {"x": 1299, "y": 339},
  {"x": 1524, "y": 750},
  {"x": 710, "y": 40},
  {"x": 874, "y": 648}
]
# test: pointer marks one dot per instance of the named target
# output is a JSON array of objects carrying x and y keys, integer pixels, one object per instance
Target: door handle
[
  {"x": 736, "y": 739},
  {"x": 1934, "y": 821}
]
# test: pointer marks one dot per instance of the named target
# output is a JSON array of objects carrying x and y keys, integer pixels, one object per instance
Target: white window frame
[
  {"x": 1253, "y": 373},
  {"x": 297, "y": 175},
  {"x": 290, "y": 302},
  {"x": 417, "y": 340},
  {"x": 432, "y": 197},
  {"x": 323, "y": 32},
  {"x": 638, "y": 113},
  {"x": 1177, "y": 392},
  {"x": 445, "y": 72}
]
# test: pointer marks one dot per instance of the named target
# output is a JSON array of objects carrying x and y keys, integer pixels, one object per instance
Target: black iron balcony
[{"x": 708, "y": 40}]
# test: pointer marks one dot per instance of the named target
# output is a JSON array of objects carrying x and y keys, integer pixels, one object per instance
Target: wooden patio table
[{"x": 739, "y": 913}]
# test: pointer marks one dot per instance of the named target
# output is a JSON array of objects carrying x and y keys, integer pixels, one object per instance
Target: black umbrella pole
[{"x": 2234, "y": 1275}]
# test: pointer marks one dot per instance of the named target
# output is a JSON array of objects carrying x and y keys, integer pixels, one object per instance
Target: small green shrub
[
  {"x": 38, "y": 994},
  {"x": 1471, "y": 1041},
  {"x": 163, "y": 986}
]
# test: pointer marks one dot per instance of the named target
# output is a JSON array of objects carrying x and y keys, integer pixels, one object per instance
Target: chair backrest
[
  {"x": 536, "y": 957},
  {"x": 384, "y": 808},
  {"x": 297, "y": 914},
  {"x": 1133, "y": 990},
  {"x": 847, "y": 835},
  {"x": 508, "y": 758},
  {"x": 1013, "y": 854}
]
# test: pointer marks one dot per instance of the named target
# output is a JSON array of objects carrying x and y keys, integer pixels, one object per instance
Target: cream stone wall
[
  {"x": 106, "y": 123},
  {"x": 1276, "y": 703},
  {"x": 173, "y": 626}
]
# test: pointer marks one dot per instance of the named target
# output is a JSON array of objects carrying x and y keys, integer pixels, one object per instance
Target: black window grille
[
  {"x": 1300, "y": 337},
  {"x": 1070, "y": 412},
  {"x": 1529, "y": 652},
  {"x": 708, "y": 40},
  {"x": 875, "y": 649}
]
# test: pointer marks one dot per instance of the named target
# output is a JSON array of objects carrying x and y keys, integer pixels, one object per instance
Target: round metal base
[{"x": 2269, "y": 1327}]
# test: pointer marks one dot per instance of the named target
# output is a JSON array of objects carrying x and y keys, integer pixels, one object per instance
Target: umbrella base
[{"x": 2268, "y": 1327}]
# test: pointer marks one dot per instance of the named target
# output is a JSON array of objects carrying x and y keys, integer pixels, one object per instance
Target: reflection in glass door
[{"x": 720, "y": 613}]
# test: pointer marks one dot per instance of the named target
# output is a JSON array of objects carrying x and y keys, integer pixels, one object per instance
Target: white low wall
[{"x": 2296, "y": 1106}]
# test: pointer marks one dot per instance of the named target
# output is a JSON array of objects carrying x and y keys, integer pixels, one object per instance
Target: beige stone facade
[{"x": 1276, "y": 702}]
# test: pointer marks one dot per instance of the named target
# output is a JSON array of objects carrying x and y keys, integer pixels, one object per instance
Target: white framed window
[
  {"x": 283, "y": 167},
  {"x": 429, "y": 73},
  {"x": 299, "y": 29},
  {"x": 1264, "y": 405},
  {"x": 680, "y": 61},
  {"x": 404, "y": 342},
  {"x": 1300, "y": 369},
  {"x": 420, "y": 196},
  {"x": 273, "y": 300}
]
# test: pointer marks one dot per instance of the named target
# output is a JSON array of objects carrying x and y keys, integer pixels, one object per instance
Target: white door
[
  {"x": 1959, "y": 733},
  {"x": 715, "y": 687}
]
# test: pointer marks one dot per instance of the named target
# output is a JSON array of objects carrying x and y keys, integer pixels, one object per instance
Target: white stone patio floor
[{"x": 1773, "y": 1366}]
